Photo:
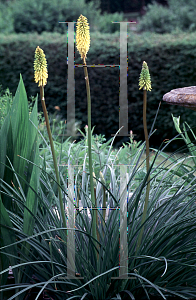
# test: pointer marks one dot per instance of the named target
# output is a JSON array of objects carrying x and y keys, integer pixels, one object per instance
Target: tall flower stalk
[
  {"x": 83, "y": 45},
  {"x": 145, "y": 83},
  {"x": 41, "y": 75}
]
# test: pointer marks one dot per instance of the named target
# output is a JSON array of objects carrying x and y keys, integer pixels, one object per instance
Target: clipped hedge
[{"x": 171, "y": 60}]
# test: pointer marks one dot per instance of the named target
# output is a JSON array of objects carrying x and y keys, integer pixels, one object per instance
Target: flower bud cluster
[
  {"x": 144, "y": 80},
  {"x": 40, "y": 67},
  {"x": 82, "y": 36}
]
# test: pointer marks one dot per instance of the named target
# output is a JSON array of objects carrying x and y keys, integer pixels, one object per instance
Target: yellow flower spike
[
  {"x": 41, "y": 75},
  {"x": 82, "y": 36},
  {"x": 83, "y": 45},
  {"x": 144, "y": 80},
  {"x": 40, "y": 67},
  {"x": 145, "y": 83}
]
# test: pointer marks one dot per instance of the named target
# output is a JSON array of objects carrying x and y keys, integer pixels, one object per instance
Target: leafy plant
[
  {"x": 51, "y": 237},
  {"x": 6, "y": 18},
  {"x": 158, "y": 19},
  {"x": 42, "y": 15},
  {"x": 164, "y": 264},
  {"x": 19, "y": 139},
  {"x": 178, "y": 16},
  {"x": 6, "y": 101},
  {"x": 38, "y": 16},
  {"x": 185, "y": 136},
  {"x": 104, "y": 22}
]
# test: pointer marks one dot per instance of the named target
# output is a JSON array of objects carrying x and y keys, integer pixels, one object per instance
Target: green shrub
[
  {"x": 185, "y": 13},
  {"x": 6, "y": 18},
  {"x": 161, "y": 19},
  {"x": 104, "y": 23},
  {"x": 177, "y": 5},
  {"x": 157, "y": 19},
  {"x": 41, "y": 15}
]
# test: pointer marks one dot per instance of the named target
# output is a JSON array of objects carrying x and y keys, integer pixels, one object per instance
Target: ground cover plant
[{"x": 34, "y": 236}]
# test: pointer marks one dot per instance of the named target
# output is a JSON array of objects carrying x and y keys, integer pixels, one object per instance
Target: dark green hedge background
[{"x": 171, "y": 60}]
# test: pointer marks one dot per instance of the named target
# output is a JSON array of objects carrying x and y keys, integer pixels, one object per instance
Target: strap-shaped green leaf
[{"x": 7, "y": 238}]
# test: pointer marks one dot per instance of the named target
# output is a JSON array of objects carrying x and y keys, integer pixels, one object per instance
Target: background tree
[{"x": 126, "y": 6}]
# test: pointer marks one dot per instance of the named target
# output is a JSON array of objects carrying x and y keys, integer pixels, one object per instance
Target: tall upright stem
[
  {"x": 54, "y": 156},
  {"x": 147, "y": 168},
  {"x": 89, "y": 152}
]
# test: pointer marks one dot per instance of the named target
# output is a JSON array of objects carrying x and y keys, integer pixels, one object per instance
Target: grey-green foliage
[
  {"x": 179, "y": 15},
  {"x": 6, "y": 18},
  {"x": 185, "y": 13},
  {"x": 104, "y": 22},
  {"x": 166, "y": 258},
  {"x": 158, "y": 19},
  {"x": 173, "y": 4}
]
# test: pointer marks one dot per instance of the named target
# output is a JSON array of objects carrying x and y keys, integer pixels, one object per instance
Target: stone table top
[{"x": 185, "y": 96}]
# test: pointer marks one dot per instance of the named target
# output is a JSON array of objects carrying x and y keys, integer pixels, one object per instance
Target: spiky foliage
[{"x": 165, "y": 262}]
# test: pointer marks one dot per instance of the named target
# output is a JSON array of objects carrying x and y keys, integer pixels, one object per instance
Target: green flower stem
[
  {"x": 147, "y": 168},
  {"x": 53, "y": 155},
  {"x": 104, "y": 202},
  {"x": 89, "y": 152},
  {"x": 104, "y": 205}
]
